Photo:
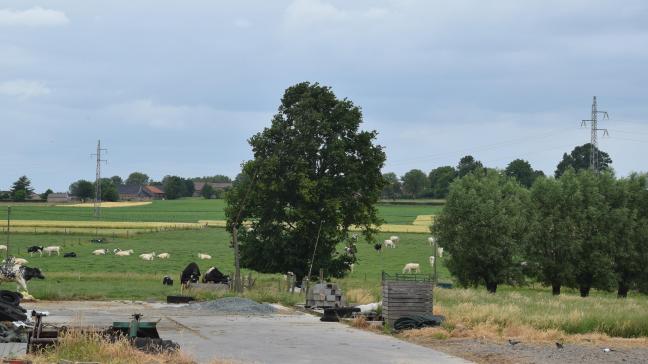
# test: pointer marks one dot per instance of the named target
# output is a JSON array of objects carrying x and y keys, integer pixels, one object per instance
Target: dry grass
[
  {"x": 77, "y": 346},
  {"x": 107, "y": 204},
  {"x": 360, "y": 296}
]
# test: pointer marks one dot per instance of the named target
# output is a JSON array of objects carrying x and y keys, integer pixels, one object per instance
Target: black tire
[
  {"x": 155, "y": 346},
  {"x": 10, "y": 298},
  {"x": 11, "y": 313}
]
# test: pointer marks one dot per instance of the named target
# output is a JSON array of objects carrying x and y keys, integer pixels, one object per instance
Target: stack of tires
[{"x": 10, "y": 309}]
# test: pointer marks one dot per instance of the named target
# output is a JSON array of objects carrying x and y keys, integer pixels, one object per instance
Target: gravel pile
[{"x": 235, "y": 305}]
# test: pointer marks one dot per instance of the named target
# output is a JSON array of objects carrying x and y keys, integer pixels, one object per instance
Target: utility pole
[
  {"x": 594, "y": 151},
  {"x": 238, "y": 287},
  {"x": 97, "y": 200}
]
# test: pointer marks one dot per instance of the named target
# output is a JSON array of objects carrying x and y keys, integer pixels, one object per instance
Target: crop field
[{"x": 183, "y": 210}]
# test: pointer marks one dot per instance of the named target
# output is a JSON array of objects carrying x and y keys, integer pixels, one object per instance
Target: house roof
[
  {"x": 129, "y": 190},
  {"x": 58, "y": 195},
  {"x": 154, "y": 189}
]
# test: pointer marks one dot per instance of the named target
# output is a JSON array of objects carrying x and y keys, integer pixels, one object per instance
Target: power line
[{"x": 97, "y": 200}]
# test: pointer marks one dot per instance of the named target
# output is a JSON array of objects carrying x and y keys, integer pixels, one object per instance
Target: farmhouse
[
  {"x": 139, "y": 193},
  {"x": 154, "y": 192},
  {"x": 217, "y": 186},
  {"x": 59, "y": 197}
]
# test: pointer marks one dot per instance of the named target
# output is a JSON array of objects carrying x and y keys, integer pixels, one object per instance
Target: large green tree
[
  {"x": 468, "y": 164},
  {"x": 314, "y": 175},
  {"x": 393, "y": 187},
  {"x": 137, "y": 179},
  {"x": 82, "y": 189},
  {"x": 440, "y": 179},
  {"x": 21, "y": 189},
  {"x": 218, "y": 178},
  {"x": 554, "y": 239},
  {"x": 414, "y": 182},
  {"x": 481, "y": 226},
  {"x": 593, "y": 262},
  {"x": 174, "y": 187},
  {"x": 117, "y": 181},
  {"x": 579, "y": 159},
  {"x": 108, "y": 190}
]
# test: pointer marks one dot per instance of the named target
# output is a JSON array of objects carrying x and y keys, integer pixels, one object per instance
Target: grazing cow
[
  {"x": 100, "y": 252},
  {"x": 167, "y": 281},
  {"x": 389, "y": 244},
  {"x": 378, "y": 247},
  {"x": 190, "y": 274},
  {"x": 204, "y": 256},
  {"x": 124, "y": 253},
  {"x": 20, "y": 261},
  {"x": 432, "y": 261},
  {"x": 431, "y": 240},
  {"x": 409, "y": 267},
  {"x": 395, "y": 239},
  {"x": 215, "y": 276},
  {"x": 11, "y": 272},
  {"x": 116, "y": 250},
  {"x": 440, "y": 252},
  {"x": 3, "y": 247},
  {"x": 51, "y": 249},
  {"x": 35, "y": 249},
  {"x": 148, "y": 256},
  {"x": 164, "y": 256},
  {"x": 70, "y": 255}
]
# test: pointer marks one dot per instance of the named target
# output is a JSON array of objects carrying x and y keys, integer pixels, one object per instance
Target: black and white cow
[
  {"x": 167, "y": 281},
  {"x": 215, "y": 276},
  {"x": 35, "y": 249},
  {"x": 10, "y": 272},
  {"x": 190, "y": 274}
]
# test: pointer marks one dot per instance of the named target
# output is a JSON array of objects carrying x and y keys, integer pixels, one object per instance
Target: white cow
[
  {"x": 395, "y": 239},
  {"x": 124, "y": 253},
  {"x": 164, "y": 256},
  {"x": 204, "y": 256},
  {"x": 99, "y": 252},
  {"x": 51, "y": 249},
  {"x": 3, "y": 247},
  {"x": 409, "y": 267},
  {"x": 352, "y": 266},
  {"x": 432, "y": 261},
  {"x": 431, "y": 240},
  {"x": 149, "y": 256},
  {"x": 20, "y": 261},
  {"x": 389, "y": 244},
  {"x": 440, "y": 252}
]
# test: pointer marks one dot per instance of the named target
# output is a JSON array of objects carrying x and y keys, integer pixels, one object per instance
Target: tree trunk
[
  {"x": 623, "y": 290},
  {"x": 491, "y": 287},
  {"x": 555, "y": 289},
  {"x": 584, "y": 291}
]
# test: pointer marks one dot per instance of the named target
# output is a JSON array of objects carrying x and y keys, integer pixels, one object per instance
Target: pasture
[{"x": 530, "y": 311}]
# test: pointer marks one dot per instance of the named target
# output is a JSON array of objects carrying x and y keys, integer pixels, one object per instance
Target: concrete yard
[{"x": 285, "y": 337}]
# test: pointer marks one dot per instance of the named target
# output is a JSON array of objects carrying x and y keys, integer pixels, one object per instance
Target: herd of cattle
[{"x": 393, "y": 241}]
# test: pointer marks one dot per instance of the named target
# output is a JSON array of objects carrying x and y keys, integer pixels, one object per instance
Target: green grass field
[{"x": 183, "y": 210}]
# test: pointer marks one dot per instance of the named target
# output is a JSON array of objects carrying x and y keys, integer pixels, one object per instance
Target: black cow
[
  {"x": 215, "y": 276},
  {"x": 69, "y": 255},
  {"x": 35, "y": 249},
  {"x": 17, "y": 273},
  {"x": 167, "y": 281},
  {"x": 190, "y": 274}
]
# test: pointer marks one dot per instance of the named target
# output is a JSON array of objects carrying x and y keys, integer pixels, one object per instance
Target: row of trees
[
  {"x": 416, "y": 184},
  {"x": 583, "y": 230},
  {"x": 22, "y": 190}
]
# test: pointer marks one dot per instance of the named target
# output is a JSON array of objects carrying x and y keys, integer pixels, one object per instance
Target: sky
[{"x": 177, "y": 87}]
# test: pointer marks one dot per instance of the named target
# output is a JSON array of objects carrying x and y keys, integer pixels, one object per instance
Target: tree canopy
[
  {"x": 137, "y": 179},
  {"x": 82, "y": 189},
  {"x": 314, "y": 175},
  {"x": 521, "y": 170},
  {"x": 21, "y": 189},
  {"x": 468, "y": 164},
  {"x": 176, "y": 187},
  {"x": 484, "y": 220},
  {"x": 415, "y": 182},
  {"x": 440, "y": 179},
  {"x": 579, "y": 159},
  {"x": 392, "y": 187}
]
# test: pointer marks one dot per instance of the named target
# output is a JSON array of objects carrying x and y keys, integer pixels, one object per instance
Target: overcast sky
[{"x": 178, "y": 87}]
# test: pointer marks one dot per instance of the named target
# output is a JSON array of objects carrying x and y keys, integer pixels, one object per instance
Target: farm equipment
[{"x": 142, "y": 334}]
